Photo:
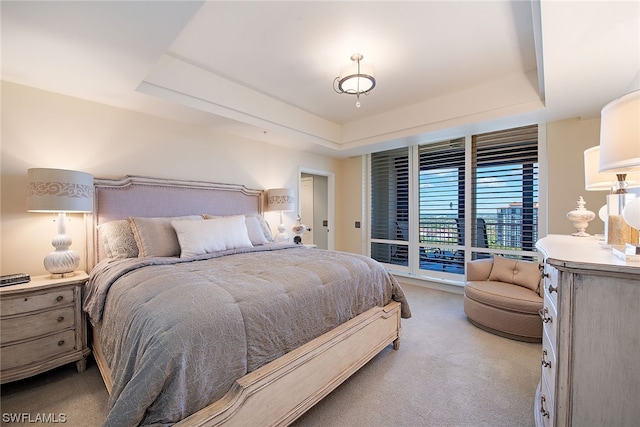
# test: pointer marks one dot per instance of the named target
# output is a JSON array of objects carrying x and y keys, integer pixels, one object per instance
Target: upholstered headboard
[{"x": 136, "y": 196}]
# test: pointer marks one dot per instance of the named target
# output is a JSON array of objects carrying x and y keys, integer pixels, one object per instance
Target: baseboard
[{"x": 438, "y": 284}]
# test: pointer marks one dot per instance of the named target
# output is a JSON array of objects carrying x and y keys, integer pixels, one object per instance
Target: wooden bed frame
[{"x": 279, "y": 392}]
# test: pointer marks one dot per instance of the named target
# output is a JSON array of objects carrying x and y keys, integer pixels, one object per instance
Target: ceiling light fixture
[{"x": 355, "y": 79}]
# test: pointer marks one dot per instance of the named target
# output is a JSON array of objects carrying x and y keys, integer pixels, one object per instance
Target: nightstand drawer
[
  {"x": 44, "y": 323},
  {"x": 44, "y": 348},
  {"x": 32, "y": 302}
]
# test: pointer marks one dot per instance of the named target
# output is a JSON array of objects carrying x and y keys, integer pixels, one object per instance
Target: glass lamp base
[{"x": 618, "y": 232}]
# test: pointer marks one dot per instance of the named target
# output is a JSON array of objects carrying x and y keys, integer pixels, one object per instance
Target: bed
[{"x": 202, "y": 320}]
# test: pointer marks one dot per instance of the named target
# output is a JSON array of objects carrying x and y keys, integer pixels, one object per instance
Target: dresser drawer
[
  {"x": 19, "y": 328},
  {"x": 546, "y": 406},
  {"x": 551, "y": 285},
  {"x": 44, "y": 348},
  {"x": 31, "y": 302},
  {"x": 550, "y": 321},
  {"x": 549, "y": 363}
]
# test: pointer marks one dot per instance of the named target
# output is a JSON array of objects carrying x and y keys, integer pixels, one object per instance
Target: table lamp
[
  {"x": 60, "y": 191},
  {"x": 620, "y": 154},
  {"x": 282, "y": 200}
]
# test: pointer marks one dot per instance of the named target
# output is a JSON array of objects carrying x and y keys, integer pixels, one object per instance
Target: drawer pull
[
  {"x": 60, "y": 343},
  {"x": 543, "y": 314},
  {"x": 544, "y": 362},
  {"x": 543, "y": 411},
  {"x": 541, "y": 267},
  {"x": 60, "y": 319},
  {"x": 553, "y": 289},
  {"x": 60, "y": 298}
]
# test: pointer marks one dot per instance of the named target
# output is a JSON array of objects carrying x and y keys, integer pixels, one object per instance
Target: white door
[{"x": 306, "y": 208}]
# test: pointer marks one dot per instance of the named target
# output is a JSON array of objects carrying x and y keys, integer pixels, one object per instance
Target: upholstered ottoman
[{"x": 503, "y": 296}]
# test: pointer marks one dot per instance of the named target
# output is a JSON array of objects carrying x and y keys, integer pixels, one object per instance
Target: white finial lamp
[
  {"x": 60, "y": 191},
  {"x": 620, "y": 154},
  {"x": 282, "y": 200}
]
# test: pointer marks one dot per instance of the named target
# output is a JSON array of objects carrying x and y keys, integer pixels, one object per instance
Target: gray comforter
[{"x": 177, "y": 333}]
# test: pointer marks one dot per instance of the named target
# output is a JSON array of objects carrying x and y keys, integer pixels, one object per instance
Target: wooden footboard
[{"x": 279, "y": 392}]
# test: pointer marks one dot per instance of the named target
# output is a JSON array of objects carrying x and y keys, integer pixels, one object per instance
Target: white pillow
[
  {"x": 257, "y": 227},
  {"x": 213, "y": 235},
  {"x": 255, "y": 231}
]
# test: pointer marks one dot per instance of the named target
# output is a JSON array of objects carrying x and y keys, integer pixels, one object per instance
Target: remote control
[{"x": 14, "y": 279}]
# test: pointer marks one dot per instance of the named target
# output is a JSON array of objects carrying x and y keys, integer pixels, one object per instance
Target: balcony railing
[
  {"x": 490, "y": 232},
  {"x": 442, "y": 239}
]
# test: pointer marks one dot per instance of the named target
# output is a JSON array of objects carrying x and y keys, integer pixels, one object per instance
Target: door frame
[{"x": 331, "y": 208}]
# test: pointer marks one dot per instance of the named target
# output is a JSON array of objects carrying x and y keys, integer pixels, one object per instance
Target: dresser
[
  {"x": 590, "y": 361},
  {"x": 42, "y": 326}
]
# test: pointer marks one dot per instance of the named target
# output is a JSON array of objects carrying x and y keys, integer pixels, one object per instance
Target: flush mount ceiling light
[{"x": 356, "y": 79}]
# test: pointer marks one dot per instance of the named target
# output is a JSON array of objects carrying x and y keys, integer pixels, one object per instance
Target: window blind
[
  {"x": 505, "y": 189},
  {"x": 441, "y": 205},
  {"x": 390, "y": 206}
]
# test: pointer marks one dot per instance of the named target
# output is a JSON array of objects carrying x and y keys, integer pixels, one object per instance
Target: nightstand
[{"x": 42, "y": 326}]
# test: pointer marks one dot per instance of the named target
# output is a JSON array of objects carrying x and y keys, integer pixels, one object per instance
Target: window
[
  {"x": 390, "y": 207},
  {"x": 505, "y": 189},
  {"x": 473, "y": 197},
  {"x": 441, "y": 206}
]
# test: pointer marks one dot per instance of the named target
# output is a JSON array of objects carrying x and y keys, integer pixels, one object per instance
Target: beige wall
[
  {"x": 349, "y": 204},
  {"x": 42, "y": 129},
  {"x": 566, "y": 142}
]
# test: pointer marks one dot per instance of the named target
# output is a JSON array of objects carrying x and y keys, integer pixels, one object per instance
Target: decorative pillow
[
  {"x": 257, "y": 227},
  {"x": 156, "y": 236},
  {"x": 213, "y": 235},
  {"x": 521, "y": 273},
  {"x": 264, "y": 226},
  {"x": 118, "y": 239},
  {"x": 255, "y": 231}
]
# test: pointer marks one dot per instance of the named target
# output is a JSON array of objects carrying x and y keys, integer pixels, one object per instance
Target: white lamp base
[
  {"x": 62, "y": 262},
  {"x": 282, "y": 236}
]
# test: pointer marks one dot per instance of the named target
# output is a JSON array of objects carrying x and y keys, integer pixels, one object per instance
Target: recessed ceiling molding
[
  {"x": 536, "y": 16},
  {"x": 455, "y": 127},
  {"x": 205, "y": 106},
  {"x": 175, "y": 79},
  {"x": 516, "y": 94}
]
